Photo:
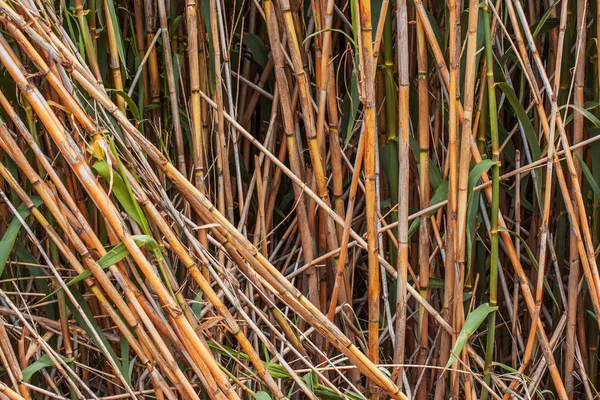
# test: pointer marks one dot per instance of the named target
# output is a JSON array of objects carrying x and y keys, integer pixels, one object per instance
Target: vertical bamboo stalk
[
  {"x": 450, "y": 276},
  {"x": 424, "y": 190},
  {"x": 292, "y": 146},
  {"x": 196, "y": 110},
  {"x": 574, "y": 272},
  {"x": 114, "y": 63},
  {"x": 370, "y": 123},
  {"x": 493, "y": 282},
  {"x": 403, "y": 186},
  {"x": 172, "y": 86},
  {"x": 223, "y": 177}
]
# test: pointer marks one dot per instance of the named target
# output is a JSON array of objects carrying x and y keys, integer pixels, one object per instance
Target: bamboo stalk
[
  {"x": 403, "y": 186},
  {"x": 493, "y": 283}
]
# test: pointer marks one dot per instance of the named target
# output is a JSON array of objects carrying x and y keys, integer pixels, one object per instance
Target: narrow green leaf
[
  {"x": 533, "y": 261},
  {"x": 42, "y": 362},
  {"x": 130, "y": 103},
  {"x": 90, "y": 316},
  {"x": 256, "y": 48},
  {"x": 262, "y": 396},
  {"x": 440, "y": 194},
  {"x": 113, "y": 256},
  {"x": 532, "y": 140},
  {"x": 586, "y": 113},
  {"x": 120, "y": 191},
  {"x": 474, "y": 319},
  {"x": 588, "y": 175},
  {"x": 10, "y": 236}
]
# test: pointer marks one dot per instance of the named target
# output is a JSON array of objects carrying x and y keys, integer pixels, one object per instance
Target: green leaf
[
  {"x": 588, "y": 175},
  {"x": 350, "y": 108},
  {"x": 262, "y": 396},
  {"x": 311, "y": 380},
  {"x": 130, "y": 103},
  {"x": 532, "y": 141},
  {"x": 542, "y": 22},
  {"x": 533, "y": 261},
  {"x": 473, "y": 202},
  {"x": 175, "y": 24},
  {"x": 10, "y": 236},
  {"x": 120, "y": 191},
  {"x": 90, "y": 316},
  {"x": 413, "y": 227},
  {"x": 591, "y": 117},
  {"x": 440, "y": 194},
  {"x": 257, "y": 49},
  {"x": 42, "y": 362},
  {"x": 477, "y": 171},
  {"x": 113, "y": 256},
  {"x": 474, "y": 319},
  {"x": 505, "y": 367},
  {"x": 277, "y": 371}
]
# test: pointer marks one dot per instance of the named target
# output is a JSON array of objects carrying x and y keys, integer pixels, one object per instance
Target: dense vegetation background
[{"x": 258, "y": 199}]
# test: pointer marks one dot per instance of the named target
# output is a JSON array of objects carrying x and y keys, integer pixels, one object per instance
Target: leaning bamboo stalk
[
  {"x": 12, "y": 364},
  {"x": 292, "y": 296},
  {"x": 587, "y": 240},
  {"x": 99, "y": 274},
  {"x": 112, "y": 217}
]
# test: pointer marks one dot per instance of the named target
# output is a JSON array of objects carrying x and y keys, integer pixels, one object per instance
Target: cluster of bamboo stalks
[{"x": 291, "y": 199}]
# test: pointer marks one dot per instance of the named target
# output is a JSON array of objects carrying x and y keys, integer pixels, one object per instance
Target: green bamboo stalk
[{"x": 493, "y": 277}]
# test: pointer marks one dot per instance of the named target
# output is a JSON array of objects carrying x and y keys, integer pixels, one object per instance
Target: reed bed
[{"x": 277, "y": 199}]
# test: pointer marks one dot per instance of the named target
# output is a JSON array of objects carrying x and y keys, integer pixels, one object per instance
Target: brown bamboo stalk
[
  {"x": 11, "y": 362},
  {"x": 574, "y": 272},
  {"x": 403, "y": 187},
  {"x": 172, "y": 86},
  {"x": 50, "y": 201},
  {"x": 292, "y": 147},
  {"x": 424, "y": 191},
  {"x": 110, "y": 214},
  {"x": 114, "y": 63},
  {"x": 370, "y": 123},
  {"x": 452, "y": 299}
]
